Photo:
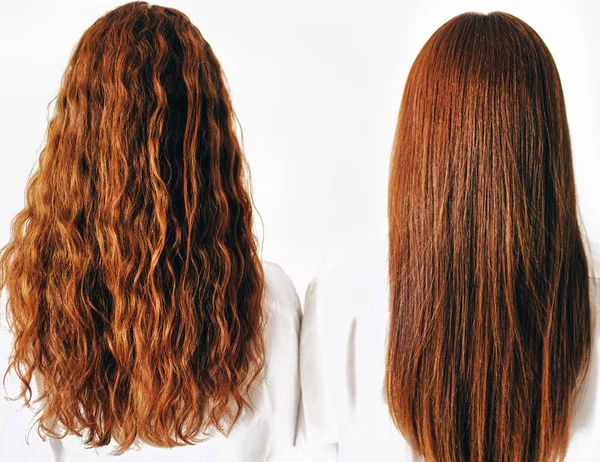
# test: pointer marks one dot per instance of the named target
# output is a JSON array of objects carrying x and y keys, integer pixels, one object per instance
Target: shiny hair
[
  {"x": 490, "y": 312},
  {"x": 134, "y": 283}
]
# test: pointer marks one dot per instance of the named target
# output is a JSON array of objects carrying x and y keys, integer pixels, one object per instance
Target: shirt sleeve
[
  {"x": 19, "y": 440},
  {"x": 282, "y": 379},
  {"x": 317, "y": 421}
]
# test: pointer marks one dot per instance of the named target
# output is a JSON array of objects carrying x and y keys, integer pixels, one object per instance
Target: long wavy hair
[
  {"x": 490, "y": 312},
  {"x": 134, "y": 285}
]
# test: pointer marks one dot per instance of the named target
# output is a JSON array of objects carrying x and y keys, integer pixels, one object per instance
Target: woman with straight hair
[
  {"x": 467, "y": 334},
  {"x": 143, "y": 321}
]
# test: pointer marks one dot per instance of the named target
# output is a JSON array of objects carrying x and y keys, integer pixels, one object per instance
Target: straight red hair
[{"x": 490, "y": 323}]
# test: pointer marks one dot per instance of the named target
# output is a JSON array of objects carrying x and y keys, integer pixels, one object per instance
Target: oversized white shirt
[
  {"x": 266, "y": 435},
  {"x": 342, "y": 363}
]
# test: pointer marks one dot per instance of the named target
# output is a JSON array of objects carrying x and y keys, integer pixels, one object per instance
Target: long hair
[
  {"x": 134, "y": 284},
  {"x": 490, "y": 312}
]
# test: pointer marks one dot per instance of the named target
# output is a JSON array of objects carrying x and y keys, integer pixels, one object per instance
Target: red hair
[
  {"x": 490, "y": 321},
  {"x": 134, "y": 285}
]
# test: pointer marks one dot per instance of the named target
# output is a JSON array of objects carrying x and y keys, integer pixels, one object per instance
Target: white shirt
[
  {"x": 264, "y": 436},
  {"x": 342, "y": 363}
]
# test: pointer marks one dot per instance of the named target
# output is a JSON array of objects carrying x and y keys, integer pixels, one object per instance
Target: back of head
[
  {"x": 490, "y": 326},
  {"x": 134, "y": 285}
]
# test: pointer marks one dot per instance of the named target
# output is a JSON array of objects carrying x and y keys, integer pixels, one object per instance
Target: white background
[{"x": 316, "y": 85}]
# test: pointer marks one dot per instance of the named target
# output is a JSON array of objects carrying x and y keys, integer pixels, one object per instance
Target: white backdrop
[{"x": 316, "y": 85}]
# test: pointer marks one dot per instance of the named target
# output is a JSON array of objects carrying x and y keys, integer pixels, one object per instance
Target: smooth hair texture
[
  {"x": 490, "y": 312},
  {"x": 134, "y": 285}
]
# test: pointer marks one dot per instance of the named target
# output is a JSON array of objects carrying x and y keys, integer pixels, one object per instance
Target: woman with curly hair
[{"x": 140, "y": 311}]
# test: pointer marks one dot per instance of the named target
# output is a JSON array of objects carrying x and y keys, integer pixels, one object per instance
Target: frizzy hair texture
[
  {"x": 490, "y": 321},
  {"x": 134, "y": 285}
]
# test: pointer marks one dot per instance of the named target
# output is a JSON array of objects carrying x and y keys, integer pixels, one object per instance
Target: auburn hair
[
  {"x": 490, "y": 313},
  {"x": 134, "y": 284}
]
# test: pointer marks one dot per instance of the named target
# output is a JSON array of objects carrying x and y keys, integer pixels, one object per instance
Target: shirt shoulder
[
  {"x": 281, "y": 298},
  {"x": 353, "y": 282},
  {"x": 345, "y": 313}
]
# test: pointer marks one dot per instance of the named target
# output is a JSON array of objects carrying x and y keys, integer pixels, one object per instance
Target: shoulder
[
  {"x": 281, "y": 298},
  {"x": 351, "y": 281},
  {"x": 345, "y": 311},
  {"x": 347, "y": 299}
]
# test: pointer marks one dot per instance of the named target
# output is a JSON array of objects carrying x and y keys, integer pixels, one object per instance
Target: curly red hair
[{"x": 134, "y": 284}]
